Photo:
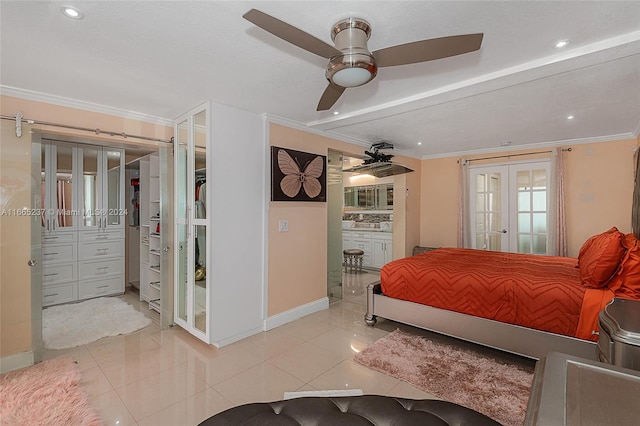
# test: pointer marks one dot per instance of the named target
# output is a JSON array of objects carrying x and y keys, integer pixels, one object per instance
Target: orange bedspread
[{"x": 540, "y": 292}]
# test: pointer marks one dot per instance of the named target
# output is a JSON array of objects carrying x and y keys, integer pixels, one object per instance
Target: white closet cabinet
[
  {"x": 60, "y": 220},
  {"x": 102, "y": 228},
  {"x": 219, "y": 171},
  {"x": 83, "y": 222}
]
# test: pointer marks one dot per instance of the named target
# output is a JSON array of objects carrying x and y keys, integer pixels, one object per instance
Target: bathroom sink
[{"x": 346, "y": 224}]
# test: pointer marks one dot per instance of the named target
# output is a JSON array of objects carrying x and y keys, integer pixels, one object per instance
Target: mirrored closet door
[{"x": 192, "y": 232}]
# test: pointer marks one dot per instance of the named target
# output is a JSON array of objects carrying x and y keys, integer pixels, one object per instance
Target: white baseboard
[
  {"x": 235, "y": 338},
  {"x": 15, "y": 361},
  {"x": 296, "y": 313}
]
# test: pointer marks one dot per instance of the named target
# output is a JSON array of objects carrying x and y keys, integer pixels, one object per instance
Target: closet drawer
[
  {"x": 100, "y": 268},
  {"x": 59, "y": 237},
  {"x": 107, "y": 286},
  {"x": 58, "y": 253},
  {"x": 58, "y": 273},
  {"x": 92, "y": 250},
  {"x": 108, "y": 235},
  {"x": 61, "y": 293}
]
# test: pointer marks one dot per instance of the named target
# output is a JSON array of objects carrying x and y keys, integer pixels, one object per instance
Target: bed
[{"x": 525, "y": 304}]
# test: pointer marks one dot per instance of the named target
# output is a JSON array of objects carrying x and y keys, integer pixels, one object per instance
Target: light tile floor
[{"x": 167, "y": 377}]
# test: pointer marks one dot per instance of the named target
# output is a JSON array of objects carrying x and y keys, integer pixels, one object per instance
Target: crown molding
[
  {"x": 533, "y": 147},
  {"x": 82, "y": 105}
]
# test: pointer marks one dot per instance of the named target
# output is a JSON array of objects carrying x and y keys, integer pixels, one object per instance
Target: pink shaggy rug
[
  {"x": 498, "y": 390},
  {"x": 45, "y": 394}
]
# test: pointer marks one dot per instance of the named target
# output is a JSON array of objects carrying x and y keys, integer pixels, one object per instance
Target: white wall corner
[
  {"x": 15, "y": 361},
  {"x": 296, "y": 313}
]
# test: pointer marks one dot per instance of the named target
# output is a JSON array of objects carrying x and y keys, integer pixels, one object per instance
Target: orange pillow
[
  {"x": 626, "y": 283},
  {"x": 600, "y": 257}
]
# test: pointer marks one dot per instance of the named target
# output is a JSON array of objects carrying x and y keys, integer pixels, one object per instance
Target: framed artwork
[{"x": 298, "y": 176}]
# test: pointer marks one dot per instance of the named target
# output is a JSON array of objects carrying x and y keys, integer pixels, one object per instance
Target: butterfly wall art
[{"x": 297, "y": 176}]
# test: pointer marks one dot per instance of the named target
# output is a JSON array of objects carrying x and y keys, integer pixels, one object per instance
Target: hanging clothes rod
[
  {"x": 18, "y": 118},
  {"x": 513, "y": 155}
]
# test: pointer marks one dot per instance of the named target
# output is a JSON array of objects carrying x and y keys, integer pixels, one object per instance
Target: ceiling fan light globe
[{"x": 351, "y": 77}]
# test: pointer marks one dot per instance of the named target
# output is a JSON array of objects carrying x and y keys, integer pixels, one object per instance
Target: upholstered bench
[{"x": 350, "y": 411}]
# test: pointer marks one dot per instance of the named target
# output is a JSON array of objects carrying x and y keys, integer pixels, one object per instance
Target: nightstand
[{"x": 619, "y": 338}]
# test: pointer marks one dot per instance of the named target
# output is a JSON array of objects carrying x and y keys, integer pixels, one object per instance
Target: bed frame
[{"x": 506, "y": 337}]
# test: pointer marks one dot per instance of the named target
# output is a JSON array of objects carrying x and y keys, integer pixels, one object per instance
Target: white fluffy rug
[{"x": 68, "y": 326}]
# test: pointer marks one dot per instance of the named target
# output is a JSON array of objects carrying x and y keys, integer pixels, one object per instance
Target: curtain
[
  {"x": 635, "y": 208},
  {"x": 559, "y": 245},
  {"x": 463, "y": 203}
]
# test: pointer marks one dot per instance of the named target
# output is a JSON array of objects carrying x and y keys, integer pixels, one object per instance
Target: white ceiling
[{"x": 162, "y": 58}]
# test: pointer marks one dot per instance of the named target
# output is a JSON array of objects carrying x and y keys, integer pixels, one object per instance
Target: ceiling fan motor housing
[{"x": 356, "y": 65}]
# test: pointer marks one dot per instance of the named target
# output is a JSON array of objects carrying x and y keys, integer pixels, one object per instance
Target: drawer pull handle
[
  {"x": 103, "y": 286},
  {"x": 50, "y": 254},
  {"x": 51, "y": 238},
  {"x": 50, "y": 295},
  {"x": 102, "y": 237},
  {"x": 51, "y": 275}
]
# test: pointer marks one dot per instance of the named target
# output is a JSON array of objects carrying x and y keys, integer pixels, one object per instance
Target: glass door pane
[
  {"x": 181, "y": 163},
  {"x": 201, "y": 203},
  {"x": 64, "y": 204},
  {"x": 530, "y": 186},
  {"x": 113, "y": 187},
  {"x": 489, "y": 206},
  {"x": 200, "y": 288},
  {"x": 166, "y": 237},
  {"x": 182, "y": 272},
  {"x": 90, "y": 186},
  {"x": 45, "y": 190}
]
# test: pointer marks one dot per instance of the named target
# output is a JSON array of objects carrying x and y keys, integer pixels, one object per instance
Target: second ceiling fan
[{"x": 351, "y": 64}]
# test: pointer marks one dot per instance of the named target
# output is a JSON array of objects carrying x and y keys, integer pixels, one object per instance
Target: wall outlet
[{"x": 283, "y": 225}]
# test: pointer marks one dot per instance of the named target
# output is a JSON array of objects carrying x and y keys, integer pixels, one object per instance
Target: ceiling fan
[
  {"x": 351, "y": 64},
  {"x": 379, "y": 164}
]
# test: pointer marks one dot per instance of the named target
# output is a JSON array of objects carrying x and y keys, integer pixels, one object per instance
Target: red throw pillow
[
  {"x": 626, "y": 283},
  {"x": 600, "y": 257}
]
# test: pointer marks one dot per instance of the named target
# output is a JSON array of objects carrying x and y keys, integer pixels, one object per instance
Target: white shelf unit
[
  {"x": 150, "y": 233},
  {"x": 82, "y": 254}
]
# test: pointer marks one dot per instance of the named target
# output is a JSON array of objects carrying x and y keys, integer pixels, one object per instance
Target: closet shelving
[{"x": 151, "y": 233}]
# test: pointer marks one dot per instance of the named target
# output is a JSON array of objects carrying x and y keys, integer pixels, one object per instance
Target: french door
[
  {"x": 192, "y": 237},
  {"x": 509, "y": 207}
]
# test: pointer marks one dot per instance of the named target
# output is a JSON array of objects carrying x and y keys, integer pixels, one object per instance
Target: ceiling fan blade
[
  {"x": 290, "y": 33},
  {"x": 427, "y": 50},
  {"x": 330, "y": 96}
]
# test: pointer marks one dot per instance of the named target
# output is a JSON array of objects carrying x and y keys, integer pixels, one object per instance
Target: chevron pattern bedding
[{"x": 540, "y": 292}]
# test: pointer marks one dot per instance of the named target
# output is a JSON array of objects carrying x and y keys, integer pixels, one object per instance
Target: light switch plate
[{"x": 283, "y": 225}]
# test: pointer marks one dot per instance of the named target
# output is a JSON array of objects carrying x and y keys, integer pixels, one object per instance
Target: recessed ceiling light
[
  {"x": 561, "y": 43},
  {"x": 506, "y": 143},
  {"x": 336, "y": 112},
  {"x": 419, "y": 143},
  {"x": 570, "y": 117},
  {"x": 71, "y": 12}
]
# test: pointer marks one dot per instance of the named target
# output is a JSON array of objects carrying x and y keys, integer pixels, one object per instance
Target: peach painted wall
[
  {"x": 16, "y": 326},
  {"x": 598, "y": 193},
  {"x": 598, "y": 189},
  {"x": 51, "y": 113},
  {"x": 298, "y": 258}
]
